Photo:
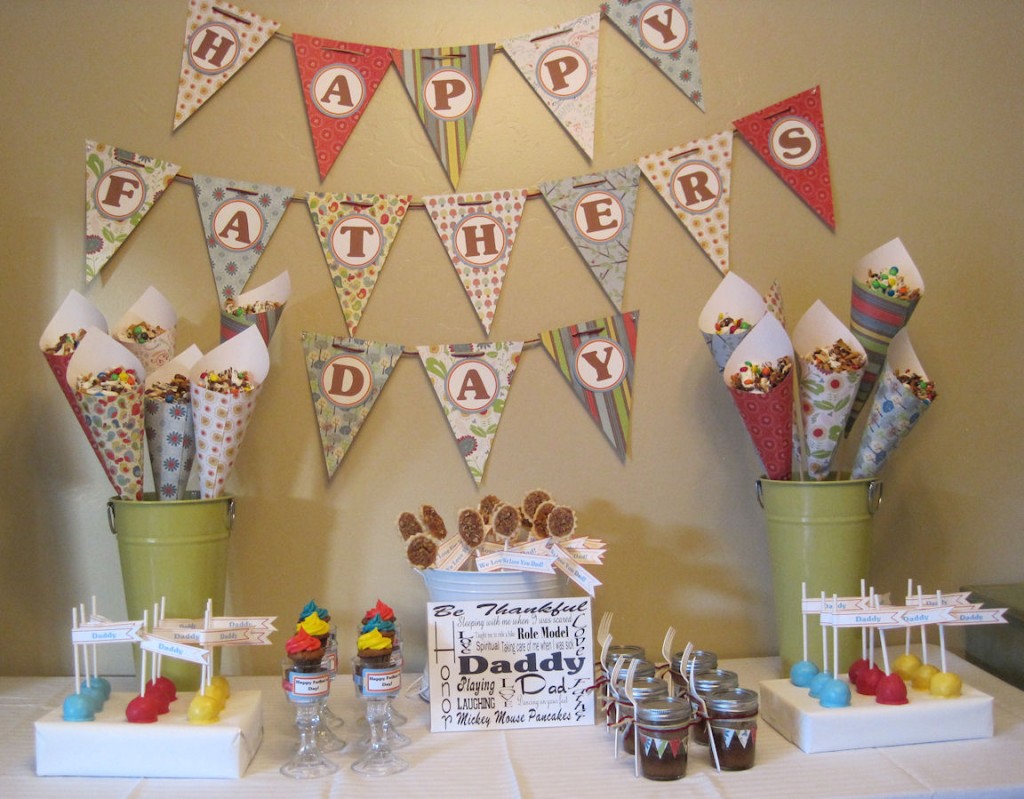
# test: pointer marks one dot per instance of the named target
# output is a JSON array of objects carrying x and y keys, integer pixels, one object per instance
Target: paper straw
[
  {"x": 863, "y": 630},
  {"x": 142, "y": 669},
  {"x": 924, "y": 637},
  {"x": 824, "y": 636},
  {"x": 835, "y": 645},
  {"x": 74, "y": 649},
  {"x": 910, "y": 592},
  {"x": 942, "y": 634},
  {"x": 885, "y": 650},
  {"x": 803, "y": 616}
]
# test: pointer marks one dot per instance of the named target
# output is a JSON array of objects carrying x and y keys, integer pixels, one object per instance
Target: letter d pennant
[{"x": 597, "y": 358}]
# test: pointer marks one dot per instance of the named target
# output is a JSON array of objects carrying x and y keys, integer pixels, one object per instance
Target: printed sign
[{"x": 510, "y": 664}]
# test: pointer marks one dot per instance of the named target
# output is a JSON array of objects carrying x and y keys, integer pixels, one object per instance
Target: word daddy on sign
[{"x": 506, "y": 664}]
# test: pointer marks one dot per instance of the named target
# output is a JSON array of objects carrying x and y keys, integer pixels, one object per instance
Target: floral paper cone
[
  {"x": 148, "y": 329},
  {"x": 115, "y": 421},
  {"x": 170, "y": 432},
  {"x": 826, "y": 392},
  {"x": 730, "y": 313},
  {"x": 221, "y": 419},
  {"x": 768, "y": 416},
  {"x": 260, "y": 308},
  {"x": 895, "y": 410}
]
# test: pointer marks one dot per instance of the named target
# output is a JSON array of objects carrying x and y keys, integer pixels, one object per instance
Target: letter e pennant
[
  {"x": 790, "y": 137},
  {"x": 597, "y": 359}
]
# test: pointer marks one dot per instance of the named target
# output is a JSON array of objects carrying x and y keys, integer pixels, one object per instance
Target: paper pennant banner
[
  {"x": 220, "y": 38},
  {"x": 445, "y": 85},
  {"x": 478, "y": 231},
  {"x": 560, "y": 63},
  {"x": 693, "y": 179},
  {"x": 666, "y": 33},
  {"x": 597, "y": 359},
  {"x": 338, "y": 81},
  {"x": 346, "y": 376},
  {"x": 790, "y": 137},
  {"x": 597, "y": 212},
  {"x": 472, "y": 382},
  {"x": 238, "y": 219},
  {"x": 356, "y": 232},
  {"x": 120, "y": 189}
]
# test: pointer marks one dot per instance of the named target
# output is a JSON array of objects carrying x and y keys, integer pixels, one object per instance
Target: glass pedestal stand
[
  {"x": 377, "y": 682},
  {"x": 305, "y": 690}
]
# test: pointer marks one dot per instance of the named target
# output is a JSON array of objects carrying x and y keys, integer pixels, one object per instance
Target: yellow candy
[
  {"x": 922, "y": 678},
  {"x": 946, "y": 684},
  {"x": 203, "y": 709},
  {"x": 905, "y": 666},
  {"x": 218, "y": 691},
  {"x": 223, "y": 684}
]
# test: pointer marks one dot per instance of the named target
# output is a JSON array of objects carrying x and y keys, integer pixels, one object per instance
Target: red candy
[
  {"x": 868, "y": 679},
  {"x": 891, "y": 690},
  {"x": 142, "y": 710}
]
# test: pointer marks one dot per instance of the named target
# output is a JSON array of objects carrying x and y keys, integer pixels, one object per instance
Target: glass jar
[
  {"x": 733, "y": 716},
  {"x": 626, "y": 651},
  {"x": 703, "y": 684},
  {"x": 702, "y": 660},
  {"x": 663, "y": 729},
  {"x": 644, "y": 688}
]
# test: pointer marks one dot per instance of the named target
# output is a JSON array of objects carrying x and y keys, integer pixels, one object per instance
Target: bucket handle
[
  {"x": 874, "y": 495},
  {"x": 760, "y": 495},
  {"x": 110, "y": 517},
  {"x": 112, "y": 520}
]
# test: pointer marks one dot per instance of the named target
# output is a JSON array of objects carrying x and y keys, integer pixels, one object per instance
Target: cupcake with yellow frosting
[{"x": 373, "y": 647}]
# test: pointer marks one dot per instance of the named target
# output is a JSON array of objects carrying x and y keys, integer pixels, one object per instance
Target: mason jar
[
  {"x": 733, "y": 716},
  {"x": 663, "y": 731},
  {"x": 703, "y": 684},
  {"x": 644, "y": 688},
  {"x": 701, "y": 659}
]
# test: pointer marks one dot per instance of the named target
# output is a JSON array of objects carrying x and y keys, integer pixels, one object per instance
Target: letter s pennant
[
  {"x": 219, "y": 40},
  {"x": 597, "y": 358},
  {"x": 346, "y": 376},
  {"x": 790, "y": 137}
]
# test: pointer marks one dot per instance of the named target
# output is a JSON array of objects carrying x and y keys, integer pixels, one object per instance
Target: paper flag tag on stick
[
  {"x": 260, "y": 307},
  {"x": 597, "y": 212},
  {"x": 120, "y": 189},
  {"x": 346, "y": 376},
  {"x": 560, "y": 63},
  {"x": 666, "y": 33},
  {"x": 728, "y": 316},
  {"x": 220, "y": 38},
  {"x": 338, "y": 81},
  {"x": 356, "y": 232},
  {"x": 790, "y": 137},
  {"x": 149, "y": 329},
  {"x": 597, "y": 359},
  {"x": 693, "y": 179},
  {"x": 445, "y": 85},
  {"x": 472, "y": 382},
  {"x": 170, "y": 431},
  {"x": 478, "y": 231},
  {"x": 238, "y": 219}
]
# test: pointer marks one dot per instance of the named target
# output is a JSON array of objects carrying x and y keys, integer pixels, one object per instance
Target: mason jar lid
[
  {"x": 714, "y": 679},
  {"x": 732, "y": 700},
  {"x": 702, "y": 660},
  {"x": 666, "y": 710},
  {"x": 628, "y": 651},
  {"x": 644, "y": 669},
  {"x": 647, "y": 688}
]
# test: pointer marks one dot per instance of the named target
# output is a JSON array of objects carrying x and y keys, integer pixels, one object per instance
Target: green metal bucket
[
  {"x": 819, "y": 533},
  {"x": 175, "y": 550}
]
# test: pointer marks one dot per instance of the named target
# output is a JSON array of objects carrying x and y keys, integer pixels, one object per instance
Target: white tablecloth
[{"x": 560, "y": 762}]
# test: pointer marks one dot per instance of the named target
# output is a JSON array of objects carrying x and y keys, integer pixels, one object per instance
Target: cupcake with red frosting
[{"x": 305, "y": 651}]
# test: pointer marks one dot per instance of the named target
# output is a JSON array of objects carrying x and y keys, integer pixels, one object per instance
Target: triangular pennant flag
[
  {"x": 472, "y": 382},
  {"x": 667, "y": 34},
  {"x": 356, "y": 232},
  {"x": 560, "y": 63},
  {"x": 445, "y": 85},
  {"x": 597, "y": 359},
  {"x": 219, "y": 40},
  {"x": 478, "y": 231},
  {"x": 693, "y": 179},
  {"x": 120, "y": 188},
  {"x": 346, "y": 376},
  {"x": 338, "y": 81},
  {"x": 790, "y": 137},
  {"x": 238, "y": 219},
  {"x": 597, "y": 213}
]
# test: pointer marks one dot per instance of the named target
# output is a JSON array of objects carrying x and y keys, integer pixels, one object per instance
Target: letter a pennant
[
  {"x": 120, "y": 188},
  {"x": 219, "y": 40},
  {"x": 346, "y": 375},
  {"x": 693, "y": 179},
  {"x": 478, "y": 230},
  {"x": 238, "y": 220},
  {"x": 790, "y": 137},
  {"x": 597, "y": 358},
  {"x": 472, "y": 382},
  {"x": 356, "y": 232},
  {"x": 597, "y": 213},
  {"x": 338, "y": 81},
  {"x": 445, "y": 85},
  {"x": 560, "y": 63},
  {"x": 666, "y": 33}
]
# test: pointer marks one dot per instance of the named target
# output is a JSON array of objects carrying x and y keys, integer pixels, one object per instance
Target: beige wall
[{"x": 923, "y": 121}]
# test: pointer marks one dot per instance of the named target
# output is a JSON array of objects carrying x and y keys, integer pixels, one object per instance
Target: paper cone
[
  {"x": 115, "y": 423},
  {"x": 825, "y": 397},
  {"x": 276, "y": 291},
  {"x": 170, "y": 432},
  {"x": 221, "y": 419},
  {"x": 734, "y": 298},
  {"x": 153, "y": 309},
  {"x": 767, "y": 416},
  {"x": 894, "y": 411},
  {"x": 875, "y": 318}
]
